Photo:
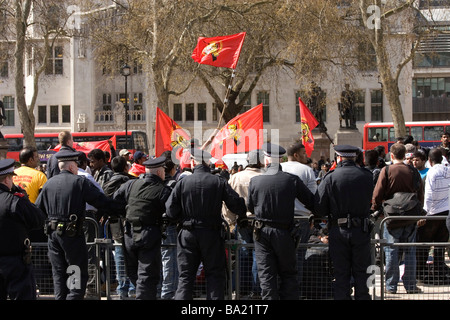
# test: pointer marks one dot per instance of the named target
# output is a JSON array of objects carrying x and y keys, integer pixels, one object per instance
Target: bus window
[
  {"x": 140, "y": 141},
  {"x": 433, "y": 133},
  {"x": 392, "y": 136},
  {"x": 15, "y": 144},
  {"x": 46, "y": 143},
  {"x": 378, "y": 134},
  {"x": 416, "y": 133}
]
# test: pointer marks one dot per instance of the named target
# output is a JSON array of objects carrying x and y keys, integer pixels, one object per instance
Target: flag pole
[{"x": 225, "y": 105}]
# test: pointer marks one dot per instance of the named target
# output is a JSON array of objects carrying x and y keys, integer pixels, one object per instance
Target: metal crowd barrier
[{"x": 242, "y": 282}]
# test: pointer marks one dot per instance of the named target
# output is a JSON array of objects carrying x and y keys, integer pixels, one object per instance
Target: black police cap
[
  {"x": 155, "y": 162},
  {"x": 200, "y": 155},
  {"x": 273, "y": 150},
  {"x": 7, "y": 167},
  {"x": 67, "y": 155},
  {"x": 346, "y": 150}
]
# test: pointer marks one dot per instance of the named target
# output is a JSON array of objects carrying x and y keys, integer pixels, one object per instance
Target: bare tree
[{"x": 36, "y": 25}]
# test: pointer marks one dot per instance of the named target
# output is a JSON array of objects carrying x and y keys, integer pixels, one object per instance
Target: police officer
[
  {"x": 17, "y": 217},
  {"x": 196, "y": 201},
  {"x": 345, "y": 197},
  {"x": 271, "y": 198},
  {"x": 145, "y": 200},
  {"x": 63, "y": 198}
]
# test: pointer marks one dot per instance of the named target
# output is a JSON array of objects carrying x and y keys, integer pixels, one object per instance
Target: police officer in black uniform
[
  {"x": 196, "y": 201},
  {"x": 145, "y": 200},
  {"x": 18, "y": 216},
  {"x": 345, "y": 197},
  {"x": 271, "y": 198},
  {"x": 63, "y": 198}
]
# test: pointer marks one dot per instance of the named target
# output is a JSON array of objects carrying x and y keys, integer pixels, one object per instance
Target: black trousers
[
  {"x": 16, "y": 279},
  {"x": 276, "y": 261},
  {"x": 432, "y": 231},
  {"x": 350, "y": 256},
  {"x": 143, "y": 261},
  {"x": 69, "y": 257},
  {"x": 201, "y": 245}
]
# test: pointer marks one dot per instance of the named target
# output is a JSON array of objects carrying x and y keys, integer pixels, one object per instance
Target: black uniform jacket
[
  {"x": 18, "y": 216},
  {"x": 271, "y": 196},
  {"x": 198, "y": 198},
  {"x": 67, "y": 193},
  {"x": 347, "y": 190}
]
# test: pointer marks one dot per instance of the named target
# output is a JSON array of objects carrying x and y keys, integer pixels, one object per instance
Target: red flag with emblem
[
  {"x": 308, "y": 123},
  {"x": 220, "y": 51},
  {"x": 169, "y": 135},
  {"x": 241, "y": 134}
]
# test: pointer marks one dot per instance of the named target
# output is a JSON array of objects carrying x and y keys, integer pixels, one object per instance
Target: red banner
[
  {"x": 87, "y": 146},
  {"x": 169, "y": 135},
  {"x": 308, "y": 123},
  {"x": 220, "y": 51},
  {"x": 241, "y": 134}
]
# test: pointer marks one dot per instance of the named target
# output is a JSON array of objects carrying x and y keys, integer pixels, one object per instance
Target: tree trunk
[{"x": 27, "y": 121}]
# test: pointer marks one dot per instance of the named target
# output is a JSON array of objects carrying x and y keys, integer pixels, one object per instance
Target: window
[
  {"x": 4, "y": 69},
  {"x": 106, "y": 103},
  {"x": 214, "y": 112},
  {"x": 360, "y": 105},
  {"x": 263, "y": 97},
  {"x": 201, "y": 111},
  {"x": 376, "y": 104},
  {"x": 378, "y": 134},
  {"x": 8, "y": 103},
  {"x": 54, "y": 114},
  {"x": 30, "y": 61},
  {"x": 177, "y": 112},
  {"x": 190, "y": 112},
  {"x": 417, "y": 133},
  {"x": 42, "y": 114},
  {"x": 247, "y": 103},
  {"x": 55, "y": 62},
  {"x": 65, "y": 114},
  {"x": 432, "y": 133}
]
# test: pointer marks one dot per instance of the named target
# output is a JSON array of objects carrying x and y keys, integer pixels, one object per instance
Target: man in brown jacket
[{"x": 399, "y": 179}]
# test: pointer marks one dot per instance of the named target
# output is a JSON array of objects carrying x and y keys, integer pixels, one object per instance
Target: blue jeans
[
  {"x": 124, "y": 286},
  {"x": 405, "y": 234},
  {"x": 169, "y": 280}
]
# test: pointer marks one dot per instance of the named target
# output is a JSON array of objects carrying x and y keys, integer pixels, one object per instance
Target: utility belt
[
  {"x": 71, "y": 228},
  {"x": 137, "y": 226},
  {"x": 353, "y": 222},
  {"x": 191, "y": 225},
  {"x": 259, "y": 224}
]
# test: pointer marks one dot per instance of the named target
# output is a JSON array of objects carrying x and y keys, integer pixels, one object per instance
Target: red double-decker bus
[
  {"x": 137, "y": 140},
  {"x": 427, "y": 133}
]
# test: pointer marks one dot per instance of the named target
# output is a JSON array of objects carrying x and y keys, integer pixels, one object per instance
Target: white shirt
[
  {"x": 306, "y": 174},
  {"x": 88, "y": 176},
  {"x": 437, "y": 189}
]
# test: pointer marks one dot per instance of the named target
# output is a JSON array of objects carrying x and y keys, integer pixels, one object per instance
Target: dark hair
[
  {"x": 420, "y": 154},
  {"x": 26, "y": 154},
  {"x": 371, "y": 157},
  {"x": 82, "y": 158},
  {"x": 398, "y": 150},
  {"x": 97, "y": 154},
  {"x": 118, "y": 164},
  {"x": 435, "y": 155},
  {"x": 408, "y": 139},
  {"x": 445, "y": 133},
  {"x": 294, "y": 148},
  {"x": 379, "y": 149}
]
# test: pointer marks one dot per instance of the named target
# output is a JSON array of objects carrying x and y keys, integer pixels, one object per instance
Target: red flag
[
  {"x": 241, "y": 134},
  {"x": 308, "y": 123},
  {"x": 220, "y": 51},
  {"x": 87, "y": 146},
  {"x": 169, "y": 135}
]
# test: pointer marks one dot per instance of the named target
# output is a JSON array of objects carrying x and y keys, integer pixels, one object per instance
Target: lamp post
[{"x": 126, "y": 72}]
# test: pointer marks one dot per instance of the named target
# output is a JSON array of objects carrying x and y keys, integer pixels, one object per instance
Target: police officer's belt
[
  {"x": 190, "y": 225},
  {"x": 349, "y": 222},
  {"x": 277, "y": 225}
]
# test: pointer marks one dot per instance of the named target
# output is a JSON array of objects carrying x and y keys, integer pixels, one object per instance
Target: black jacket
[{"x": 198, "y": 198}]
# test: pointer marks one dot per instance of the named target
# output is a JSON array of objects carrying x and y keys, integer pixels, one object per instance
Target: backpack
[{"x": 403, "y": 204}]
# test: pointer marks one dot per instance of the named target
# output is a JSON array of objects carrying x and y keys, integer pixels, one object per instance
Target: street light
[{"x": 126, "y": 70}]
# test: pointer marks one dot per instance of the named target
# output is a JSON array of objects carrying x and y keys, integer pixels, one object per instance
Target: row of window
[
  {"x": 429, "y": 133},
  {"x": 197, "y": 112}
]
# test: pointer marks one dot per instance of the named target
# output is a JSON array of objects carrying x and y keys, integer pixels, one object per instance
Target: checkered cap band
[{"x": 7, "y": 171}]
